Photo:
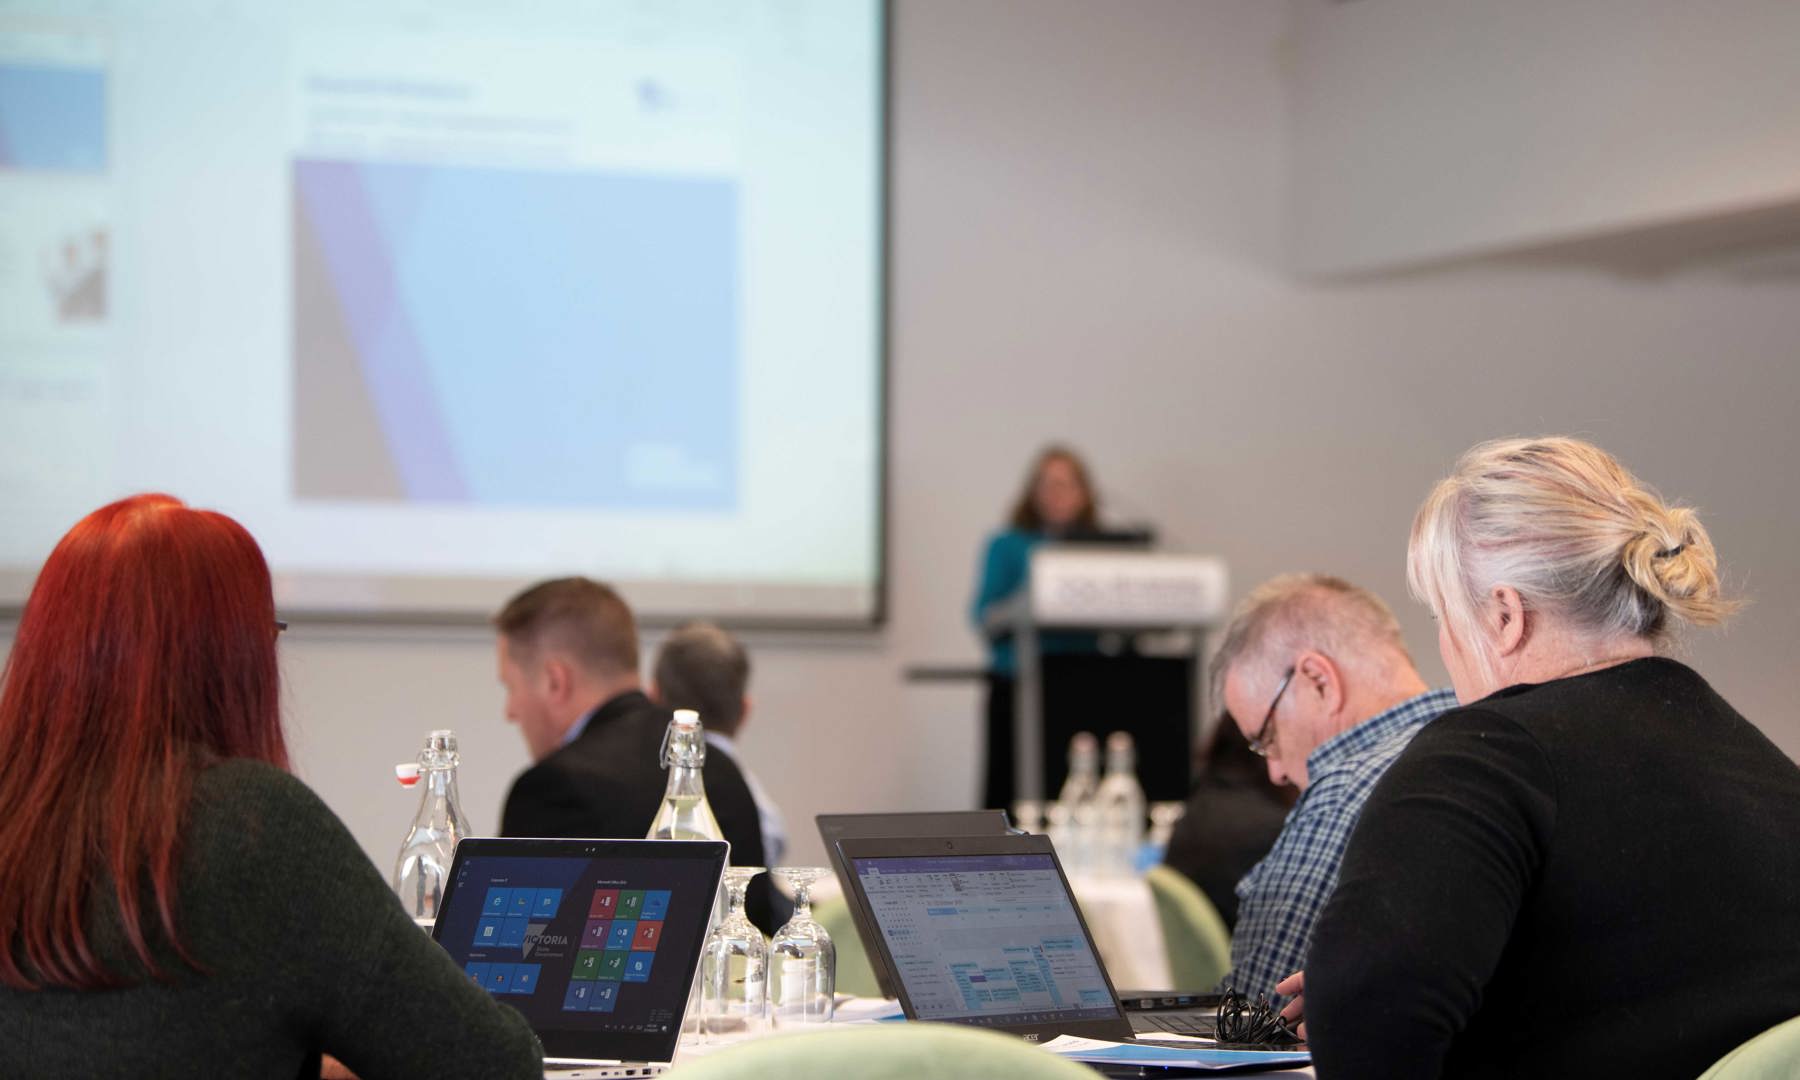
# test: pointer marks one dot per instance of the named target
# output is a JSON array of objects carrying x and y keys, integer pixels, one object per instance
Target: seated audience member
[
  {"x": 1233, "y": 816},
  {"x": 1315, "y": 675},
  {"x": 1590, "y": 868},
  {"x": 703, "y": 668},
  {"x": 568, "y": 651},
  {"x": 174, "y": 902}
]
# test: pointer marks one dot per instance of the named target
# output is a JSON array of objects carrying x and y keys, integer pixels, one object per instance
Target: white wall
[
  {"x": 1427, "y": 129},
  {"x": 1089, "y": 220}
]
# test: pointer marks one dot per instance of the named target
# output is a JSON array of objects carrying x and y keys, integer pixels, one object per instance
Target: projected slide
[
  {"x": 440, "y": 301},
  {"x": 433, "y": 303}
]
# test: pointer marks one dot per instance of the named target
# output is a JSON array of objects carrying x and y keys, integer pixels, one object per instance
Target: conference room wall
[{"x": 1089, "y": 219}]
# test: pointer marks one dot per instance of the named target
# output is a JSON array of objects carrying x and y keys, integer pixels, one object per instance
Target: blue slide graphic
[
  {"x": 521, "y": 337},
  {"x": 52, "y": 118}
]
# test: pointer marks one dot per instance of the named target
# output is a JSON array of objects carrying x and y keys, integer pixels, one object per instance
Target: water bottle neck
[
  {"x": 685, "y": 781},
  {"x": 439, "y": 805},
  {"x": 684, "y": 746}
]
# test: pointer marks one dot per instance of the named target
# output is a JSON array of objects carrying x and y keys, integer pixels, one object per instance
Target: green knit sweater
[{"x": 305, "y": 950}]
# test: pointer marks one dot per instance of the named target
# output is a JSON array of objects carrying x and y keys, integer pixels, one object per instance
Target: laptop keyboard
[{"x": 1200, "y": 1025}]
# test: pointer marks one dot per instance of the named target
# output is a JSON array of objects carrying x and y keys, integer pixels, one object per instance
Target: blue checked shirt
[{"x": 1279, "y": 900}]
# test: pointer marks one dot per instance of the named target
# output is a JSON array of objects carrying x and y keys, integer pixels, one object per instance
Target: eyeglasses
[
  {"x": 280, "y": 625},
  {"x": 1259, "y": 742}
]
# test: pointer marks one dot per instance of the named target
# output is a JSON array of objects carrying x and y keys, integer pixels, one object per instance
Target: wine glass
[
  {"x": 803, "y": 968},
  {"x": 734, "y": 967}
]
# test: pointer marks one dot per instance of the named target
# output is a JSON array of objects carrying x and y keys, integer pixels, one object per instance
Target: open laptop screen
[
  {"x": 595, "y": 941},
  {"x": 835, "y": 827},
  {"x": 984, "y": 937}
]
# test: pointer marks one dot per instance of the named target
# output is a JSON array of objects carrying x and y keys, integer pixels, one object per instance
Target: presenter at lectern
[{"x": 1057, "y": 502}]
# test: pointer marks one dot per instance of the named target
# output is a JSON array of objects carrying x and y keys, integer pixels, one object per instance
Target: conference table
[{"x": 852, "y": 1012}]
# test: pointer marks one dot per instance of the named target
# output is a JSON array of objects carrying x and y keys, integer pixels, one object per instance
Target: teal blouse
[{"x": 1004, "y": 564}]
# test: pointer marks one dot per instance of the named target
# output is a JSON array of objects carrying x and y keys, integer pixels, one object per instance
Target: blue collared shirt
[
  {"x": 580, "y": 725},
  {"x": 1280, "y": 899}
]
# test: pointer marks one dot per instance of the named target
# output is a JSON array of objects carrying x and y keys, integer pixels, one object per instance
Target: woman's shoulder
[
  {"x": 1010, "y": 543},
  {"x": 1477, "y": 739},
  {"x": 259, "y": 840},
  {"x": 244, "y": 784},
  {"x": 251, "y": 807},
  {"x": 1648, "y": 685}
]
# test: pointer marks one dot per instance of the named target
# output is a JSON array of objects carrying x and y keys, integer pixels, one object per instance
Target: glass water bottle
[
  {"x": 685, "y": 813},
  {"x": 423, "y": 868}
]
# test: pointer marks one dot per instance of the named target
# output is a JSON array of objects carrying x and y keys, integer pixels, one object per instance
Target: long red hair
[{"x": 145, "y": 652}]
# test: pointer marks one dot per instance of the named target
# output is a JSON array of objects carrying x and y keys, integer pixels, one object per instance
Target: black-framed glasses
[
  {"x": 280, "y": 625},
  {"x": 1259, "y": 742}
]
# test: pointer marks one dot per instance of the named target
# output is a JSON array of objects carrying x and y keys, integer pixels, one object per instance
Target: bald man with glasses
[{"x": 1314, "y": 672}]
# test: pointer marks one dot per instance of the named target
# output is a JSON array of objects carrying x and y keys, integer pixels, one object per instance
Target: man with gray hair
[
  {"x": 704, "y": 668},
  {"x": 1314, "y": 672}
]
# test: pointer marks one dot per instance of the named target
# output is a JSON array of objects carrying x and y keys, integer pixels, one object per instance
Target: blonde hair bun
[{"x": 1674, "y": 562}]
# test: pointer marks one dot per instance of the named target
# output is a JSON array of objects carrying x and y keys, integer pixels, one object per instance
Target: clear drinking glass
[
  {"x": 803, "y": 962},
  {"x": 734, "y": 967}
]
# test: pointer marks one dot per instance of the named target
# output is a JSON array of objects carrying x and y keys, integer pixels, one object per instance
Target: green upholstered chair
[
  {"x": 879, "y": 1051},
  {"x": 1773, "y": 1055},
  {"x": 1197, "y": 941},
  {"x": 854, "y": 975}
]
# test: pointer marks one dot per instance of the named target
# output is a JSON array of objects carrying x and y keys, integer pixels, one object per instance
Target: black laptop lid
[
  {"x": 984, "y": 931},
  {"x": 835, "y": 827},
  {"x": 595, "y": 941}
]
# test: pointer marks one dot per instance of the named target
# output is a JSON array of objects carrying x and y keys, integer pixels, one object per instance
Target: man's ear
[
  {"x": 744, "y": 713},
  {"x": 559, "y": 679},
  {"x": 1318, "y": 675},
  {"x": 1506, "y": 620}
]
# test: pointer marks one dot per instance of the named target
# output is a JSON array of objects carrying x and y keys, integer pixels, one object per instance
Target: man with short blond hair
[
  {"x": 568, "y": 658},
  {"x": 1314, "y": 672}
]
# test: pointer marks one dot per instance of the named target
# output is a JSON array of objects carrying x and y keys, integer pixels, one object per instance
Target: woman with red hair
[{"x": 172, "y": 900}]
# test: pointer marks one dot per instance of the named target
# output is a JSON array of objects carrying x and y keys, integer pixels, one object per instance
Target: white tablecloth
[{"x": 1121, "y": 914}]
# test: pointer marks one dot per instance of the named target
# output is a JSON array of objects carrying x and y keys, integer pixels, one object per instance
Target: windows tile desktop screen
[{"x": 593, "y": 944}]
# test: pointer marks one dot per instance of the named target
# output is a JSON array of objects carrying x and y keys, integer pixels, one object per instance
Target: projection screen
[{"x": 442, "y": 298}]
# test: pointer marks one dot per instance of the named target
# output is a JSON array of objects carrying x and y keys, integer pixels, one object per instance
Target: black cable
[{"x": 1251, "y": 1023}]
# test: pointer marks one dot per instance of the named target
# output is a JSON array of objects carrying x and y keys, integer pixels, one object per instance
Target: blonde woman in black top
[{"x": 1591, "y": 868}]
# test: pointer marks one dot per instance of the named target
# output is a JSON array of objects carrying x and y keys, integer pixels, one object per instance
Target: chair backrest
[
  {"x": 854, "y": 975},
  {"x": 884, "y": 1052},
  {"x": 1773, "y": 1055},
  {"x": 1197, "y": 941}
]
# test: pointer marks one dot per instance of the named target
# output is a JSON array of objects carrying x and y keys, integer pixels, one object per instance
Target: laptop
[
  {"x": 835, "y": 827},
  {"x": 595, "y": 941},
  {"x": 985, "y": 931}
]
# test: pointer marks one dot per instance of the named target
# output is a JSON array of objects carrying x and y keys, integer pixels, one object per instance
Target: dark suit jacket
[
  {"x": 609, "y": 783},
  {"x": 1230, "y": 825}
]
